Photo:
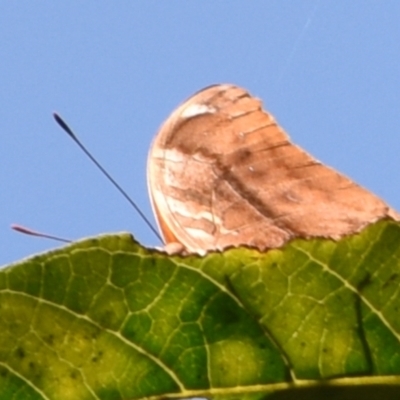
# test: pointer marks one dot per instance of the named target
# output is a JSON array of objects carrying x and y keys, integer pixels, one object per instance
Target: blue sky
[{"x": 328, "y": 70}]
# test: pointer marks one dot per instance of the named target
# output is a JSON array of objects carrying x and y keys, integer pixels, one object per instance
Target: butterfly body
[{"x": 222, "y": 173}]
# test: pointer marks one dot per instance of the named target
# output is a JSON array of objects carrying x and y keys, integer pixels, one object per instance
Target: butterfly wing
[{"x": 222, "y": 173}]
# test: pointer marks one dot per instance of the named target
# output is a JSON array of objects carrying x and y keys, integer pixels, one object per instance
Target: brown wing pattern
[{"x": 222, "y": 173}]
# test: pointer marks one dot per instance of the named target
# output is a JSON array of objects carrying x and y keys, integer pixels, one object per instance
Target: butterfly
[{"x": 222, "y": 173}]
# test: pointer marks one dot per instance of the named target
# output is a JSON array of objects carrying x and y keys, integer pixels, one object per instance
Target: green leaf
[{"x": 105, "y": 318}]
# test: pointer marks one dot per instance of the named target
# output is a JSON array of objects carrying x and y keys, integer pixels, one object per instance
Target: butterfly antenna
[
  {"x": 71, "y": 134},
  {"x": 27, "y": 231}
]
